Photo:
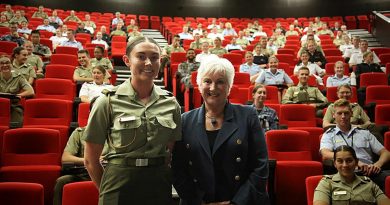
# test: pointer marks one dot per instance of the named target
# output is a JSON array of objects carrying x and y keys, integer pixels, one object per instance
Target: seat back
[
  {"x": 289, "y": 145},
  {"x": 16, "y": 193},
  {"x": 297, "y": 115},
  {"x": 60, "y": 71},
  {"x": 331, "y": 94},
  {"x": 83, "y": 114},
  {"x": 367, "y": 79},
  {"x": 31, "y": 146},
  {"x": 5, "y": 114},
  {"x": 47, "y": 112},
  {"x": 178, "y": 57},
  {"x": 382, "y": 116},
  {"x": 65, "y": 59},
  {"x": 7, "y": 46},
  {"x": 67, "y": 50},
  {"x": 53, "y": 88},
  {"x": 379, "y": 94},
  {"x": 311, "y": 185},
  {"x": 74, "y": 194},
  {"x": 242, "y": 80},
  {"x": 385, "y": 58}
]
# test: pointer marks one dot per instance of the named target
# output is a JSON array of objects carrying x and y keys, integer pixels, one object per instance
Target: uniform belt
[{"x": 148, "y": 162}]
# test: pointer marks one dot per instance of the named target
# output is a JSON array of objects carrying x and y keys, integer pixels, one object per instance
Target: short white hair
[{"x": 213, "y": 64}]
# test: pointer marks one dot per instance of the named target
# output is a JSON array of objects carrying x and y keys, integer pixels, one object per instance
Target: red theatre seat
[
  {"x": 67, "y": 50},
  {"x": 53, "y": 88},
  {"x": 75, "y": 194},
  {"x": 60, "y": 71},
  {"x": 297, "y": 115},
  {"x": 311, "y": 185},
  {"x": 16, "y": 193},
  {"x": 65, "y": 59}
]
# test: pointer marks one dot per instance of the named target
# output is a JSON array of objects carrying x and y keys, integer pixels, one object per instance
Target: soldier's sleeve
[
  {"x": 74, "y": 142},
  {"x": 287, "y": 97},
  {"x": 24, "y": 85},
  {"x": 177, "y": 118},
  {"x": 32, "y": 73},
  {"x": 84, "y": 90},
  {"x": 328, "y": 114},
  {"x": 375, "y": 145},
  {"x": 326, "y": 140},
  {"x": 323, "y": 191},
  {"x": 39, "y": 64},
  {"x": 109, "y": 64},
  {"x": 378, "y": 193},
  {"x": 261, "y": 78},
  {"x": 363, "y": 115},
  {"x": 99, "y": 121},
  {"x": 320, "y": 96}
]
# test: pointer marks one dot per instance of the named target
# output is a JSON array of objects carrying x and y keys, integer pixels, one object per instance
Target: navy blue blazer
[{"x": 239, "y": 148}]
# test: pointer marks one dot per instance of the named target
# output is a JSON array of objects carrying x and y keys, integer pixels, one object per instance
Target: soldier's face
[
  {"x": 143, "y": 61},
  {"x": 35, "y": 38},
  {"x": 22, "y": 56},
  {"x": 339, "y": 69},
  {"x": 260, "y": 96},
  {"x": 83, "y": 59},
  {"x": 5, "y": 65},
  {"x": 345, "y": 164},
  {"x": 191, "y": 55},
  {"x": 303, "y": 76},
  {"x": 98, "y": 76},
  {"x": 342, "y": 116},
  {"x": 344, "y": 93}
]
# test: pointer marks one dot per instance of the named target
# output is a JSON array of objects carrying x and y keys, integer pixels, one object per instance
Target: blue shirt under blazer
[{"x": 239, "y": 151}]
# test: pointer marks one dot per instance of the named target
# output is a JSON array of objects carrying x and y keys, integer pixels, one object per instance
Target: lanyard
[{"x": 346, "y": 140}]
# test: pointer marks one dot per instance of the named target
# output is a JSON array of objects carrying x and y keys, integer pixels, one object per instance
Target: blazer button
[
  {"x": 237, "y": 178},
  {"x": 195, "y": 180},
  {"x": 187, "y": 146},
  {"x": 238, "y": 159},
  {"x": 190, "y": 163},
  {"x": 239, "y": 141}
]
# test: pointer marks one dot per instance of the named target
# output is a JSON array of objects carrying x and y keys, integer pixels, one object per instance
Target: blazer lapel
[
  {"x": 229, "y": 126},
  {"x": 200, "y": 131}
]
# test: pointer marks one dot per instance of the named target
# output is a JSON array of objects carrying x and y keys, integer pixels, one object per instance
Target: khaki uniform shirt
[
  {"x": 209, "y": 40},
  {"x": 80, "y": 71},
  {"x": 264, "y": 51},
  {"x": 334, "y": 190},
  {"x": 76, "y": 144},
  {"x": 136, "y": 130},
  {"x": 72, "y": 18},
  {"x": 42, "y": 49},
  {"x": 338, "y": 42},
  {"x": 90, "y": 24},
  {"x": 196, "y": 45},
  {"x": 118, "y": 33},
  {"x": 242, "y": 41},
  {"x": 35, "y": 61},
  {"x": 103, "y": 62},
  {"x": 42, "y": 15},
  {"x": 26, "y": 70},
  {"x": 358, "y": 115},
  {"x": 170, "y": 49},
  {"x": 4, "y": 24},
  {"x": 218, "y": 51},
  {"x": 303, "y": 94},
  {"x": 17, "y": 20},
  {"x": 9, "y": 14},
  {"x": 14, "y": 85}
]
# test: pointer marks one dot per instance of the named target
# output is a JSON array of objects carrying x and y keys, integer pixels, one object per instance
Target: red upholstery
[
  {"x": 16, "y": 193},
  {"x": 367, "y": 79},
  {"x": 311, "y": 185},
  {"x": 378, "y": 94},
  {"x": 49, "y": 113},
  {"x": 242, "y": 80},
  {"x": 332, "y": 52},
  {"x": 67, "y": 50},
  {"x": 386, "y": 143},
  {"x": 178, "y": 57},
  {"x": 118, "y": 49},
  {"x": 297, "y": 115},
  {"x": 118, "y": 39},
  {"x": 334, "y": 59},
  {"x": 53, "y": 88},
  {"x": 272, "y": 94},
  {"x": 382, "y": 116},
  {"x": 290, "y": 180},
  {"x": 385, "y": 58},
  {"x": 83, "y": 114},
  {"x": 86, "y": 36},
  {"x": 235, "y": 59},
  {"x": 287, "y": 58},
  {"x": 7, "y": 46},
  {"x": 286, "y": 51},
  {"x": 331, "y": 94},
  {"x": 60, "y": 71},
  {"x": 5, "y": 114},
  {"x": 64, "y": 59},
  {"x": 32, "y": 155},
  {"x": 47, "y": 42},
  {"x": 387, "y": 187},
  {"x": 314, "y": 133},
  {"x": 75, "y": 194},
  {"x": 379, "y": 51},
  {"x": 289, "y": 145}
]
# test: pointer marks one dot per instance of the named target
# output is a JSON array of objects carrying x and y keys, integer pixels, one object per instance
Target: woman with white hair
[{"x": 222, "y": 157}]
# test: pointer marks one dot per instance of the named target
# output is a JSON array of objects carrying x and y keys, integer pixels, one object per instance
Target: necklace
[{"x": 213, "y": 121}]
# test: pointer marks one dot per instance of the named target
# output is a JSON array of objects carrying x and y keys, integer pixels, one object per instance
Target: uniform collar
[
  {"x": 358, "y": 180},
  {"x": 269, "y": 71},
  {"x": 18, "y": 67},
  {"x": 350, "y": 132},
  {"x": 127, "y": 89},
  {"x": 303, "y": 86}
]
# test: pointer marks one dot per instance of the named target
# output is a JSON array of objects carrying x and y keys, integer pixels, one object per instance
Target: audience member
[
  {"x": 118, "y": 30},
  {"x": 186, "y": 68},
  {"x": 57, "y": 39},
  {"x": 198, "y": 30},
  {"x": 229, "y": 30},
  {"x": 72, "y": 17},
  {"x": 218, "y": 49},
  {"x": 185, "y": 34},
  {"x": 81, "y": 29},
  {"x": 39, "y": 48},
  {"x": 21, "y": 66},
  {"x": 89, "y": 24},
  {"x": 305, "y": 37},
  {"x": 167, "y": 51},
  {"x": 325, "y": 30},
  {"x": 205, "y": 52},
  {"x": 24, "y": 30},
  {"x": 117, "y": 19},
  {"x": 357, "y": 57},
  {"x": 8, "y": 12},
  {"x": 267, "y": 116},
  {"x": 233, "y": 45},
  {"x": 214, "y": 34},
  {"x": 13, "y": 36},
  {"x": 352, "y": 50},
  {"x": 71, "y": 42},
  {"x": 105, "y": 35},
  {"x": 93, "y": 89},
  {"x": 196, "y": 44},
  {"x": 64, "y": 30},
  {"x": 259, "y": 32},
  {"x": 46, "y": 26},
  {"x": 314, "y": 69},
  {"x": 99, "y": 40},
  {"x": 3, "y": 21},
  {"x": 263, "y": 52},
  {"x": 14, "y": 83},
  {"x": 367, "y": 66},
  {"x": 291, "y": 31},
  {"x": 336, "y": 27},
  {"x": 131, "y": 25},
  {"x": 338, "y": 40},
  {"x": 315, "y": 56},
  {"x": 241, "y": 40},
  {"x": 18, "y": 18},
  {"x": 40, "y": 13},
  {"x": 213, "y": 24},
  {"x": 339, "y": 78},
  {"x": 33, "y": 60},
  {"x": 346, "y": 44},
  {"x": 253, "y": 69},
  {"x": 83, "y": 73},
  {"x": 100, "y": 60},
  {"x": 54, "y": 20}
]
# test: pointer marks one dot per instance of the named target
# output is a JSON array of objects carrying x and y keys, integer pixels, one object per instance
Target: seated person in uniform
[
  {"x": 315, "y": 70},
  {"x": 3, "y": 21},
  {"x": 24, "y": 30},
  {"x": 134, "y": 33},
  {"x": 233, "y": 45},
  {"x": 186, "y": 34},
  {"x": 196, "y": 44},
  {"x": 46, "y": 26},
  {"x": 40, "y": 49},
  {"x": 261, "y": 53},
  {"x": 40, "y": 13},
  {"x": 338, "y": 78},
  {"x": 367, "y": 66},
  {"x": 358, "y": 56},
  {"x": 72, "y": 17},
  {"x": 291, "y": 31},
  {"x": 83, "y": 73},
  {"x": 218, "y": 49},
  {"x": 241, "y": 40},
  {"x": 20, "y": 65},
  {"x": 34, "y": 60},
  {"x": 71, "y": 42},
  {"x": 315, "y": 56},
  {"x": 99, "y": 40},
  {"x": 118, "y": 30},
  {"x": 15, "y": 84},
  {"x": 90, "y": 90},
  {"x": 186, "y": 68},
  {"x": 267, "y": 116},
  {"x": 302, "y": 93},
  {"x": 100, "y": 59},
  {"x": 73, "y": 163},
  {"x": 325, "y": 30},
  {"x": 81, "y": 29},
  {"x": 346, "y": 187},
  {"x": 13, "y": 35},
  {"x": 166, "y": 53},
  {"x": 253, "y": 69},
  {"x": 205, "y": 52},
  {"x": 362, "y": 141}
]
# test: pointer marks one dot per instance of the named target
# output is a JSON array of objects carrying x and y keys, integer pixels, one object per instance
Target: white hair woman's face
[{"x": 214, "y": 88}]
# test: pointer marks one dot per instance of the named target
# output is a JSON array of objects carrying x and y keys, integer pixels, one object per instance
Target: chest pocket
[
  {"x": 166, "y": 123},
  {"x": 362, "y": 144},
  {"x": 125, "y": 134},
  {"x": 341, "y": 199}
]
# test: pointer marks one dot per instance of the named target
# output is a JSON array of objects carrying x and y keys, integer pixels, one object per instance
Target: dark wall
[{"x": 219, "y": 8}]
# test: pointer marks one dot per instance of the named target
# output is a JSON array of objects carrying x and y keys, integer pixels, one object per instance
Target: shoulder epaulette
[
  {"x": 330, "y": 130},
  {"x": 354, "y": 104},
  {"x": 108, "y": 92},
  {"x": 80, "y": 129},
  {"x": 328, "y": 176}
]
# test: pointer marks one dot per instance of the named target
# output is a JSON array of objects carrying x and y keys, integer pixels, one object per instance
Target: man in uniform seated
[
  {"x": 40, "y": 49},
  {"x": 167, "y": 51},
  {"x": 362, "y": 141},
  {"x": 304, "y": 94}
]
